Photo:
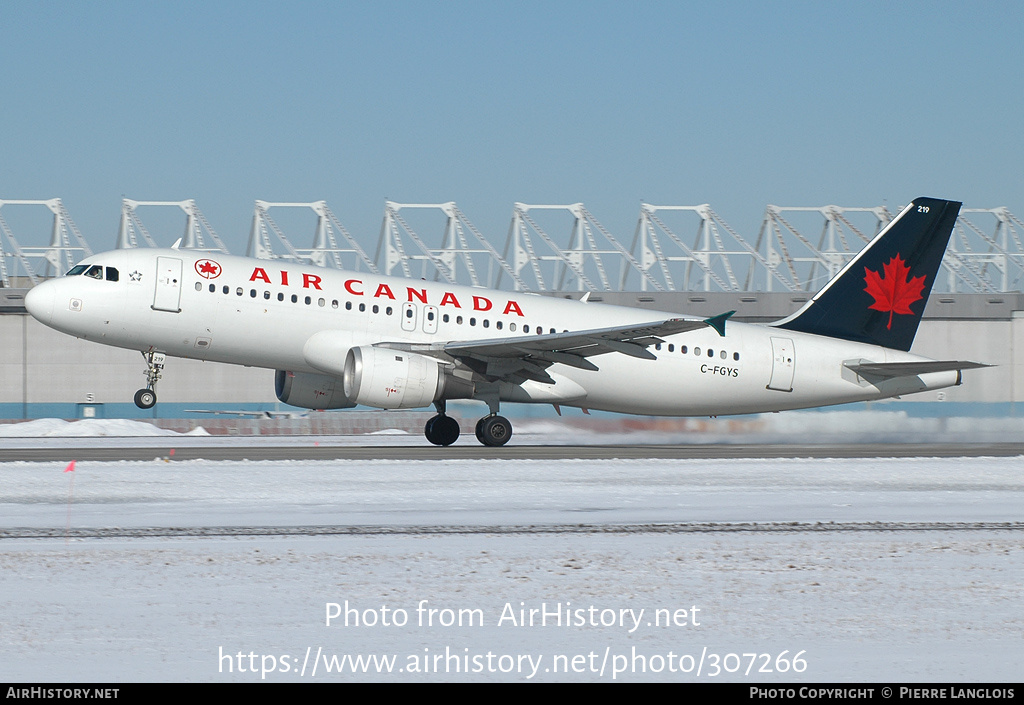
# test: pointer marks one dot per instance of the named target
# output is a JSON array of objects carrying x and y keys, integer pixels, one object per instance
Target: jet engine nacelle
[
  {"x": 394, "y": 379},
  {"x": 311, "y": 391}
]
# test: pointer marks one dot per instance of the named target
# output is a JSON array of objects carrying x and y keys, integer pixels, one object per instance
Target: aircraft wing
[
  {"x": 519, "y": 359},
  {"x": 910, "y": 369}
]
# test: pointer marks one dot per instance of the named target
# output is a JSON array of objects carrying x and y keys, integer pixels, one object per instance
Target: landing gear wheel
[
  {"x": 493, "y": 430},
  {"x": 441, "y": 430},
  {"x": 145, "y": 398}
]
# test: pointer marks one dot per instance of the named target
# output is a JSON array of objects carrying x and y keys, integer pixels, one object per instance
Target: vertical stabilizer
[{"x": 880, "y": 295}]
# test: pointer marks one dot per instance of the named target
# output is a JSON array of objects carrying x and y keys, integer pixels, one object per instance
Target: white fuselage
[{"x": 262, "y": 313}]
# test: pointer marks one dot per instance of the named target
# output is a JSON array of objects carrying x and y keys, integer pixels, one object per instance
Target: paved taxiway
[{"x": 140, "y": 449}]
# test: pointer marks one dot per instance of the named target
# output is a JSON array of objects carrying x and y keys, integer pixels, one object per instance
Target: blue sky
[{"x": 486, "y": 103}]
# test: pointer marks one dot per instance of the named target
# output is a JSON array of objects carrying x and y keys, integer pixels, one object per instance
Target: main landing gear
[
  {"x": 441, "y": 430},
  {"x": 491, "y": 430},
  {"x": 146, "y": 398}
]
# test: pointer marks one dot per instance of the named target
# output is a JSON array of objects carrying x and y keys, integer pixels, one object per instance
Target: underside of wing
[
  {"x": 910, "y": 369},
  {"x": 519, "y": 359}
]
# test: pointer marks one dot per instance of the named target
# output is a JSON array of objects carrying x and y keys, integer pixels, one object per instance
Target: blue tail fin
[{"x": 879, "y": 296}]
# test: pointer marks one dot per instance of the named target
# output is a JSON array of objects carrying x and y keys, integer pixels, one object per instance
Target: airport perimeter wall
[{"x": 44, "y": 373}]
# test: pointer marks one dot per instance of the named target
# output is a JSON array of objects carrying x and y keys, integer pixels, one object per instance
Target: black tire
[
  {"x": 494, "y": 430},
  {"x": 145, "y": 398},
  {"x": 442, "y": 430}
]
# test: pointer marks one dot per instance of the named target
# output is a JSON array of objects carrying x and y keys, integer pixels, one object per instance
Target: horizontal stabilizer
[{"x": 911, "y": 369}]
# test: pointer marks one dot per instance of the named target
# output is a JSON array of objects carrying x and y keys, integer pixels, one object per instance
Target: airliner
[{"x": 338, "y": 339}]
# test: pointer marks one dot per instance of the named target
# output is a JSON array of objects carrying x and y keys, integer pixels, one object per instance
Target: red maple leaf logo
[
  {"x": 208, "y": 269},
  {"x": 893, "y": 291}
]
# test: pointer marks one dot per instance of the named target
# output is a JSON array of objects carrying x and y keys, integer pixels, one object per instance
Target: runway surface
[
  {"x": 497, "y": 530},
  {"x": 312, "y": 448}
]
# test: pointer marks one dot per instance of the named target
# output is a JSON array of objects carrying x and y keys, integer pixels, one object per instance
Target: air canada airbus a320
[{"x": 338, "y": 339}]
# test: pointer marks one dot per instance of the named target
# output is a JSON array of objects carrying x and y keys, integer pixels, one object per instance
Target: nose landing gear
[{"x": 146, "y": 398}]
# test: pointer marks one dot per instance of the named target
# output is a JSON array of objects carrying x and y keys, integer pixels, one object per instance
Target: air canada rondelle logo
[{"x": 208, "y": 269}]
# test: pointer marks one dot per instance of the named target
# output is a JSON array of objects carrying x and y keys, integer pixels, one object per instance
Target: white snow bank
[{"x": 88, "y": 428}]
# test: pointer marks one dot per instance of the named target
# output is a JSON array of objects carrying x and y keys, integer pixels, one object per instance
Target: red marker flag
[{"x": 70, "y": 467}]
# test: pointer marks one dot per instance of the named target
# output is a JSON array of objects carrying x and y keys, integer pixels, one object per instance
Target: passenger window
[
  {"x": 736, "y": 356},
  {"x": 199, "y": 286},
  {"x": 724, "y": 354},
  {"x": 266, "y": 295},
  {"x": 512, "y": 327},
  {"x": 111, "y": 274},
  {"x": 682, "y": 349}
]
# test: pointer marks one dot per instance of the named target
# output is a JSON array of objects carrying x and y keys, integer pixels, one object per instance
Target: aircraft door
[
  {"x": 409, "y": 316},
  {"x": 430, "y": 319},
  {"x": 167, "y": 296},
  {"x": 783, "y": 365}
]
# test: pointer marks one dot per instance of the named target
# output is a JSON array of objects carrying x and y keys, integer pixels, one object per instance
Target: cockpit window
[
  {"x": 77, "y": 269},
  {"x": 111, "y": 274},
  {"x": 95, "y": 271}
]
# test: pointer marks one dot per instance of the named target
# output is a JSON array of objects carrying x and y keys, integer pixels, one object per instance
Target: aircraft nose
[{"x": 39, "y": 302}]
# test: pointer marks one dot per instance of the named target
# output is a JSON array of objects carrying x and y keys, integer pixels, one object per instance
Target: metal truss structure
[
  {"x": 788, "y": 258},
  {"x": 581, "y": 265},
  {"x": 53, "y": 259},
  {"x": 455, "y": 260},
  {"x": 195, "y": 225},
  {"x": 325, "y": 251},
  {"x": 565, "y": 248},
  {"x": 977, "y": 261}
]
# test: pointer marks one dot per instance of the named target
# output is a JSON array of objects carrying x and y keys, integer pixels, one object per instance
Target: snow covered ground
[{"x": 831, "y": 605}]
